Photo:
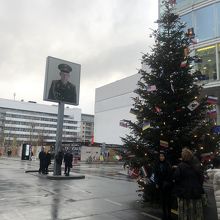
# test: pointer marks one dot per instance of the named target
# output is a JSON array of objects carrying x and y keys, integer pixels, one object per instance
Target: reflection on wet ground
[{"x": 28, "y": 196}]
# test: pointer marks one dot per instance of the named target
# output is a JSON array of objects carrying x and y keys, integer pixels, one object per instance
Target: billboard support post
[{"x": 58, "y": 145}]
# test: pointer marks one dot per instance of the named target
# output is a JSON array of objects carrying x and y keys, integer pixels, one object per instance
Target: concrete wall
[
  {"x": 86, "y": 152},
  {"x": 112, "y": 104}
]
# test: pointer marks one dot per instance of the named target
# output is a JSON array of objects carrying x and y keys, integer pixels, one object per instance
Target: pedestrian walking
[
  {"x": 47, "y": 161},
  {"x": 42, "y": 158},
  {"x": 163, "y": 181},
  {"x": 68, "y": 160},
  {"x": 188, "y": 187}
]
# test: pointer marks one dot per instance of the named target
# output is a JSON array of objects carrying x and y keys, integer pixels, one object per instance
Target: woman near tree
[{"x": 188, "y": 178}]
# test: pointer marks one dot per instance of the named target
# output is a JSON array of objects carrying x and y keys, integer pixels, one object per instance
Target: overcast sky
[{"x": 106, "y": 37}]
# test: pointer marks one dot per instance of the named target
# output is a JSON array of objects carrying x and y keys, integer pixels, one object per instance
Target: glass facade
[
  {"x": 217, "y": 8},
  {"x": 208, "y": 65},
  {"x": 182, "y": 4},
  {"x": 205, "y": 19},
  {"x": 187, "y": 19},
  {"x": 204, "y": 23}
]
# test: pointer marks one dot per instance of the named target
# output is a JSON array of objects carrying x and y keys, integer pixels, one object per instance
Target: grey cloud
[{"x": 104, "y": 36}]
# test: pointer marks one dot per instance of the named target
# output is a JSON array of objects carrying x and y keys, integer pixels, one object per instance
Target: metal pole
[{"x": 57, "y": 166}]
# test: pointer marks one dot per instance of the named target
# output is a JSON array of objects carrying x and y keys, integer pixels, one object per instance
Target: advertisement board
[{"x": 62, "y": 81}]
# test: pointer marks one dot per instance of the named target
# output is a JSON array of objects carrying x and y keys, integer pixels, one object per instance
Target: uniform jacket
[{"x": 59, "y": 91}]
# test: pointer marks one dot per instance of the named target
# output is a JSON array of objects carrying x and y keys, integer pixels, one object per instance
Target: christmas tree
[{"x": 170, "y": 111}]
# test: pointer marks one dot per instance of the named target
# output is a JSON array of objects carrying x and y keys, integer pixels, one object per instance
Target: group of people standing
[
  {"x": 185, "y": 181},
  {"x": 45, "y": 161}
]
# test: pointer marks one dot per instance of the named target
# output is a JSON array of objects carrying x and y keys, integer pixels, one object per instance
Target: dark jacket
[
  {"x": 48, "y": 158},
  {"x": 68, "y": 159},
  {"x": 188, "y": 180},
  {"x": 59, "y": 157},
  {"x": 163, "y": 175},
  {"x": 42, "y": 156}
]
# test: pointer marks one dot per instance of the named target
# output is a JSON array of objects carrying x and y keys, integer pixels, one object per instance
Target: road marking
[
  {"x": 151, "y": 216},
  {"x": 116, "y": 203}
]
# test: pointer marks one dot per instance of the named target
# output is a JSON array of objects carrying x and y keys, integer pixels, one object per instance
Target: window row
[
  {"x": 182, "y": 4},
  {"x": 39, "y": 119},
  {"x": 39, "y": 131},
  {"x": 31, "y": 124},
  {"x": 210, "y": 61},
  {"x": 205, "y": 21}
]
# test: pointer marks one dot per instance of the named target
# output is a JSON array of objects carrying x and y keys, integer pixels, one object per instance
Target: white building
[
  {"x": 35, "y": 123},
  {"x": 112, "y": 104}
]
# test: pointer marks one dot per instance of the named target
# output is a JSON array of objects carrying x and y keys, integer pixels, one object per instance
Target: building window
[
  {"x": 208, "y": 65},
  {"x": 187, "y": 18},
  {"x": 218, "y": 63},
  {"x": 217, "y": 6},
  {"x": 205, "y": 23},
  {"x": 180, "y": 4}
]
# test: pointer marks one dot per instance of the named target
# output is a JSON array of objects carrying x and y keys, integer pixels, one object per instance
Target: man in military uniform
[{"x": 63, "y": 90}]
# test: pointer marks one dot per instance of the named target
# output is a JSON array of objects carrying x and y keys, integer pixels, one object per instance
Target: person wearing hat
[{"x": 62, "y": 89}]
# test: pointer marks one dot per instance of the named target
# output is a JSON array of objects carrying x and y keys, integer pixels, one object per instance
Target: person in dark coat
[
  {"x": 163, "y": 181},
  {"x": 42, "y": 158},
  {"x": 47, "y": 161},
  {"x": 68, "y": 160},
  {"x": 59, "y": 159},
  {"x": 188, "y": 187}
]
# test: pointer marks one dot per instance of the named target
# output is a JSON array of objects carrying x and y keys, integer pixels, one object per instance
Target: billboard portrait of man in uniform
[
  {"x": 62, "y": 81},
  {"x": 62, "y": 89}
]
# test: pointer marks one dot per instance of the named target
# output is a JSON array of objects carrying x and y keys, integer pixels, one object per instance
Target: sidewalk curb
[{"x": 61, "y": 177}]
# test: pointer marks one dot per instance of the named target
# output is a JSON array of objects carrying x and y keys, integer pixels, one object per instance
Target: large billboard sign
[{"x": 62, "y": 81}]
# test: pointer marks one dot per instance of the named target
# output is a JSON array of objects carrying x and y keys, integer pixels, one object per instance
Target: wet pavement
[{"x": 104, "y": 194}]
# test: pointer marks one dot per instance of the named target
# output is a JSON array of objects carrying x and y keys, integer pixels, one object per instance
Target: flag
[
  {"x": 183, "y": 63},
  {"x": 216, "y": 129},
  {"x": 143, "y": 170},
  {"x": 123, "y": 124},
  {"x": 132, "y": 111},
  {"x": 190, "y": 33},
  {"x": 163, "y": 143},
  {"x": 157, "y": 109},
  {"x": 171, "y": 86},
  {"x": 152, "y": 178},
  {"x": 193, "y": 105},
  {"x": 212, "y": 113},
  {"x": 212, "y": 100},
  {"x": 172, "y": 2},
  {"x": 194, "y": 41},
  {"x": 146, "y": 125},
  {"x": 186, "y": 52},
  {"x": 151, "y": 88}
]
